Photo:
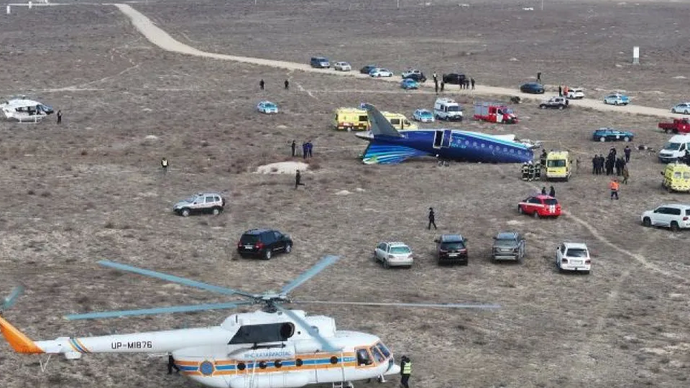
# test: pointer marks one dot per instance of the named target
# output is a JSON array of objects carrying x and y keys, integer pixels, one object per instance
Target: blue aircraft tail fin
[
  {"x": 380, "y": 126},
  {"x": 380, "y": 153}
]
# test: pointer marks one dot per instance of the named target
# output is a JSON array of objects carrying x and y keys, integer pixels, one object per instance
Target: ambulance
[
  {"x": 355, "y": 119},
  {"x": 676, "y": 177},
  {"x": 558, "y": 165}
]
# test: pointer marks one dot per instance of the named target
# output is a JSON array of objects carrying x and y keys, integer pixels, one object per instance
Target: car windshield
[
  {"x": 555, "y": 163},
  {"x": 425, "y": 114},
  {"x": 453, "y": 245},
  {"x": 399, "y": 250},
  {"x": 551, "y": 201},
  {"x": 190, "y": 199},
  {"x": 453, "y": 108},
  {"x": 507, "y": 110},
  {"x": 269, "y": 105},
  {"x": 577, "y": 252},
  {"x": 672, "y": 146}
]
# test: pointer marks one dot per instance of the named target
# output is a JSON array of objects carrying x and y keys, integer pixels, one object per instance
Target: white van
[
  {"x": 675, "y": 148},
  {"x": 447, "y": 109}
]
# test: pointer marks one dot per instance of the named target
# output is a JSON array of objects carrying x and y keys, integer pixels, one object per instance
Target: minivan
[{"x": 320, "y": 62}]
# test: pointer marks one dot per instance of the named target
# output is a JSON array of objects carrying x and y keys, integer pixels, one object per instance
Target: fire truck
[{"x": 494, "y": 113}]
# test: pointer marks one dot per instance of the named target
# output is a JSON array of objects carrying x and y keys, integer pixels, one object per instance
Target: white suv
[
  {"x": 674, "y": 216},
  {"x": 393, "y": 254},
  {"x": 212, "y": 203},
  {"x": 573, "y": 257}
]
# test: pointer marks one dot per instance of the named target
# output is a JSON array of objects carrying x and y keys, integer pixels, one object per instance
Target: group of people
[
  {"x": 467, "y": 83},
  {"x": 611, "y": 163},
  {"x": 307, "y": 149},
  {"x": 262, "y": 84}
]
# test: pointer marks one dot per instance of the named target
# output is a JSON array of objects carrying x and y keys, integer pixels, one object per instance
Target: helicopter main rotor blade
[
  {"x": 175, "y": 279},
  {"x": 159, "y": 310},
  {"x": 399, "y": 304},
  {"x": 310, "y": 273},
  {"x": 327, "y": 345},
  {"x": 11, "y": 299}
]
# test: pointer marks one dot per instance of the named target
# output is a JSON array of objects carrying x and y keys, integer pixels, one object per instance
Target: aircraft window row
[{"x": 279, "y": 364}]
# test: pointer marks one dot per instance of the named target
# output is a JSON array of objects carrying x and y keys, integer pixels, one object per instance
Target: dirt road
[{"x": 162, "y": 39}]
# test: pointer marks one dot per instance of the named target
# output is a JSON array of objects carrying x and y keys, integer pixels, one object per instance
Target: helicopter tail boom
[{"x": 18, "y": 340}]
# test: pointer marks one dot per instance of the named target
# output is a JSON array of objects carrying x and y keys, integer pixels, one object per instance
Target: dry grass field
[{"x": 91, "y": 189}]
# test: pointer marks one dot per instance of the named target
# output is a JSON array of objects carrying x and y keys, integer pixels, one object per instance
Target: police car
[
  {"x": 212, "y": 203},
  {"x": 267, "y": 107},
  {"x": 423, "y": 115}
]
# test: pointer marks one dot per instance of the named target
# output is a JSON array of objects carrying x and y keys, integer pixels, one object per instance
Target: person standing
[
  {"x": 432, "y": 219},
  {"x": 472, "y": 81},
  {"x": 552, "y": 192},
  {"x": 59, "y": 116},
  {"x": 298, "y": 179},
  {"x": 436, "y": 84},
  {"x": 310, "y": 147},
  {"x": 164, "y": 165},
  {"x": 442, "y": 85},
  {"x": 171, "y": 364},
  {"x": 626, "y": 152},
  {"x": 626, "y": 175},
  {"x": 539, "y": 77},
  {"x": 543, "y": 190},
  {"x": 287, "y": 84},
  {"x": 262, "y": 84},
  {"x": 560, "y": 91},
  {"x": 614, "y": 188},
  {"x": 293, "y": 146},
  {"x": 305, "y": 146},
  {"x": 405, "y": 371}
]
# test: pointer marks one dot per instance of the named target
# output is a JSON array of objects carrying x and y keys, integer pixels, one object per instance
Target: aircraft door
[
  {"x": 446, "y": 138},
  {"x": 438, "y": 139}
]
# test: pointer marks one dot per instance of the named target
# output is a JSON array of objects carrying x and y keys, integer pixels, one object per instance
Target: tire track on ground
[{"x": 162, "y": 39}]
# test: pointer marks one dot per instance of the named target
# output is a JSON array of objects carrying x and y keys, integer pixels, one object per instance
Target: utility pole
[
  {"x": 542, "y": 5},
  {"x": 398, "y": 4}
]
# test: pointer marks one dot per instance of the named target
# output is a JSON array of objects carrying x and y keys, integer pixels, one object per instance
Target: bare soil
[{"x": 91, "y": 189}]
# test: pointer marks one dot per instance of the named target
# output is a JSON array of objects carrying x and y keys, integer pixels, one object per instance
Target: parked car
[
  {"x": 573, "y": 257},
  {"x": 367, "y": 69},
  {"x": 320, "y": 62},
  {"x": 342, "y": 66},
  {"x": 610, "y": 134},
  {"x": 212, "y": 203},
  {"x": 554, "y": 103},
  {"x": 451, "y": 249},
  {"x": 540, "y": 206},
  {"x": 408, "y": 84},
  {"x": 423, "y": 115},
  {"x": 532, "y": 88},
  {"x": 380, "y": 72},
  {"x": 393, "y": 254},
  {"x": 508, "y": 246},
  {"x": 454, "y": 78},
  {"x": 616, "y": 99},
  {"x": 676, "y": 126},
  {"x": 683, "y": 107},
  {"x": 575, "y": 93},
  {"x": 263, "y": 243},
  {"x": 413, "y": 74},
  {"x": 267, "y": 107},
  {"x": 674, "y": 216}
]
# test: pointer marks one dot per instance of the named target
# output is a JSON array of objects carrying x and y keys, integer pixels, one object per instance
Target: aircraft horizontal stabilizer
[{"x": 377, "y": 153}]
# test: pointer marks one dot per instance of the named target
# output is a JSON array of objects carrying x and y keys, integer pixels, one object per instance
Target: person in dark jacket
[
  {"x": 171, "y": 365},
  {"x": 287, "y": 84},
  {"x": 298, "y": 179},
  {"x": 262, "y": 84},
  {"x": 552, "y": 192},
  {"x": 305, "y": 150},
  {"x": 293, "y": 146},
  {"x": 543, "y": 190},
  {"x": 59, "y": 116},
  {"x": 432, "y": 219},
  {"x": 626, "y": 152},
  {"x": 405, "y": 371}
]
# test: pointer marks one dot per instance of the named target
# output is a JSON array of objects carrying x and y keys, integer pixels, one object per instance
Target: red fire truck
[{"x": 494, "y": 113}]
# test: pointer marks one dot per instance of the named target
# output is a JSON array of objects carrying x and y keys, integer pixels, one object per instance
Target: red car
[{"x": 540, "y": 206}]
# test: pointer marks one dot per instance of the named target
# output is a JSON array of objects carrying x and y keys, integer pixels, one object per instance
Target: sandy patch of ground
[{"x": 283, "y": 168}]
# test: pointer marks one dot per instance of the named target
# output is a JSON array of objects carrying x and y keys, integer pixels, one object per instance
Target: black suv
[
  {"x": 451, "y": 249},
  {"x": 367, "y": 69},
  {"x": 263, "y": 242},
  {"x": 454, "y": 78},
  {"x": 419, "y": 77}
]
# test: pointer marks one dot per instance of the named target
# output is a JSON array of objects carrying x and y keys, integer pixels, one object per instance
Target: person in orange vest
[{"x": 614, "y": 188}]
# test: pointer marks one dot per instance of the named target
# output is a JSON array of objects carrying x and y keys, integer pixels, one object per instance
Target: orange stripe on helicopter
[
  {"x": 19, "y": 342},
  {"x": 81, "y": 344}
]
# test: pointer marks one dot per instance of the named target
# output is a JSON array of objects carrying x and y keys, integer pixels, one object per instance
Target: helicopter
[{"x": 273, "y": 347}]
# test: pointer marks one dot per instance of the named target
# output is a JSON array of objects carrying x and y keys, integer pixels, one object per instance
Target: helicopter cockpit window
[
  {"x": 363, "y": 357},
  {"x": 384, "y": 350},
  {"x": 377, "y": 355}
]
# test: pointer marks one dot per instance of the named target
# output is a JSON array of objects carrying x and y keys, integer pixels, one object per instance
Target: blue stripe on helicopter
[
  {"x": 76, "y": 345},
  {"x": 271, "y": 364}
]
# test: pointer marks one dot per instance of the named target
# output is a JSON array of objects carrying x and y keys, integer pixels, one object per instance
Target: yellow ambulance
[
  {"x": 676, "y": 177},
  {"x": 558, "y": 165},
  {"x": 354, "y": 119}
]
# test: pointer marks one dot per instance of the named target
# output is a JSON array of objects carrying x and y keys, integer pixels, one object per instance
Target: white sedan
[
  {"x": 342, "y": 66},
  {"x": 573, "y": 257},
  {"x": 393, "y": 254},
  {"x": 682, "y": 108},
  {"x": 380, "y": 72}
]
